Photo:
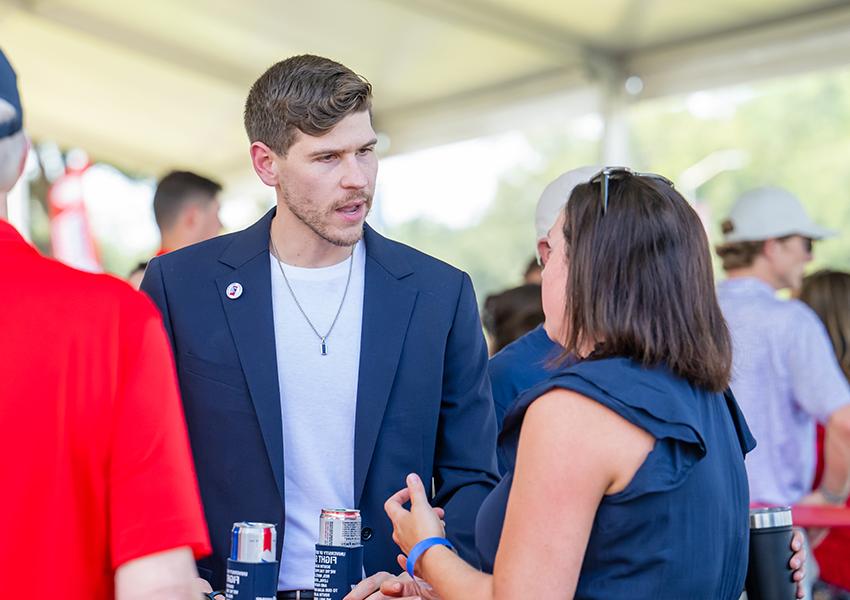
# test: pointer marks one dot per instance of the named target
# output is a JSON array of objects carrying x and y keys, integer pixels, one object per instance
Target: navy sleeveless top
[{"x": 679, "y": 529}]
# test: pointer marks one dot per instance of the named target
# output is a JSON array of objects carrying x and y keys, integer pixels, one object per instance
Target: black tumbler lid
[{"x": 776, "y": 516}]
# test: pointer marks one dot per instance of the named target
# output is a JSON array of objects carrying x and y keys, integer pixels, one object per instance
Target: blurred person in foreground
[
  {"x": 186, "y": 208},
  {"x": 100, "y": 497},
  {"x": 512, "y": 313},
  {"x": 828, "y": 294},
  {"x": 786, "y": 376},
  {"x": 638, "y": 446},
  {"x": 321, "y": 362}
]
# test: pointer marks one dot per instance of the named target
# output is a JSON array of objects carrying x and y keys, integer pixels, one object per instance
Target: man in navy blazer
[{"x": 320, "y": 362}]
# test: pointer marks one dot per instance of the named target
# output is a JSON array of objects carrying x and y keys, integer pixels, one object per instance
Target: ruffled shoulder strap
[
  {"x": 652, "y": 398},
  {"x": 745, "y": 436}
]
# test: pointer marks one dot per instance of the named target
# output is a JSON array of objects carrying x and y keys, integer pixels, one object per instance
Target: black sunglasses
[
  {"x": 609, "y": 173},
  {"x": 808, "y": 243}
]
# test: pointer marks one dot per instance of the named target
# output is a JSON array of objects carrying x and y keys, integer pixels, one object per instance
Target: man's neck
[
  {"x": 3, "y": 213},
  {"x": 298, "y": 245},
  {"x": 172, "y": 241},
  {"x": 756, "y": 272}
]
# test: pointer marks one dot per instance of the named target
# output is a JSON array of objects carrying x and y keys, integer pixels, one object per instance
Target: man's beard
[{"x": 316, "y": 220}]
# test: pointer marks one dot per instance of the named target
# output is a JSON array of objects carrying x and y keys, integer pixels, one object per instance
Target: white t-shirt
[{"x": 318, "y": 399}]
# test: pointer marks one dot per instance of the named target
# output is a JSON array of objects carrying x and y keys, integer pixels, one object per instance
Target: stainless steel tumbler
[{"x": 769, "y": 574}]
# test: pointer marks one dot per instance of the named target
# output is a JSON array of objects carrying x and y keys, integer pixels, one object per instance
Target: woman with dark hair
[
  {"x": 828, "y": 294},
  {"x": 626, "y": 471}
]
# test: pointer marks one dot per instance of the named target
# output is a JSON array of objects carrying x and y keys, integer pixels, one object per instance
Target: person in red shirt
[
  {"x": 828, "y": 294},
  {"x": 100, "y": 498}
]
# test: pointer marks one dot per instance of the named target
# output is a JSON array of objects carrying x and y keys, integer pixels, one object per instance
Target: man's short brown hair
[
  {"x": 176, "y": 190},
  {"x": 737, "y": 255},
  {"x": 303, "y": 93}
]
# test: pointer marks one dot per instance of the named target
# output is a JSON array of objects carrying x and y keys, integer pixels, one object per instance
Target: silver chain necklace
[{"x": 322, "y": 338}]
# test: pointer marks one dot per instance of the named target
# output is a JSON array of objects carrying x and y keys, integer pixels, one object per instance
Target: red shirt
[
  {"x": 833, "y": 553},
  {"x": 96, "y": 467}
]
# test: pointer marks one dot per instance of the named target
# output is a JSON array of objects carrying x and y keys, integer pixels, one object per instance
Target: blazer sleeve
[
  {"x": 465, "y": 459},
  {"x": 154, "y": 286}
]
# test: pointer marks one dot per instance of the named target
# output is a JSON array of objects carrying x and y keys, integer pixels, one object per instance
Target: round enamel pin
[{"x": 233, "y": 291}]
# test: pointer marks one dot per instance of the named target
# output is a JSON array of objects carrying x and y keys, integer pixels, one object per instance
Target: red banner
[{"x": 70, "y": 234}]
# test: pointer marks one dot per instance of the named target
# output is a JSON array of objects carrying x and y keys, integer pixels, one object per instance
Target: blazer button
[{"x": 366, "y": 534}]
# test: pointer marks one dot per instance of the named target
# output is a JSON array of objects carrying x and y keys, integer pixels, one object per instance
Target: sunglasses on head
[{"x": 609, "y": 173}]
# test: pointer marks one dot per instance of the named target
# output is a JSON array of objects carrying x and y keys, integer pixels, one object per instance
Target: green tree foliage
[
  {"x": 496, "y": 250},
  {"x": 795, "y": 132}
]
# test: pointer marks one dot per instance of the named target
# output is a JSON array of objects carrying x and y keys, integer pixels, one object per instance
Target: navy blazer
[{"x": 423, "y": 400}]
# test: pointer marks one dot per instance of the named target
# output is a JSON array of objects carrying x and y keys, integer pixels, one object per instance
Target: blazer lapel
[
  {"x": 251, "y": 322},
  {"x": 387, "y": 306}
]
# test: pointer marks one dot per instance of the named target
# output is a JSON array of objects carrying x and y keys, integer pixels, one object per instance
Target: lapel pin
[{"x": 233, "y": 291}]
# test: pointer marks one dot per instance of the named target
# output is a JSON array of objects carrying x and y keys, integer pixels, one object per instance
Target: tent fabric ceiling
[{"x": 159, "y": 84}]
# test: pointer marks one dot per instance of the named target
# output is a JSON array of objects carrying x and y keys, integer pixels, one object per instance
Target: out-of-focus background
[{"x": 478, "y": 103}]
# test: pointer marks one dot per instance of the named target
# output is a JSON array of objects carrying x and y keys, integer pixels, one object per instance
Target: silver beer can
[
  {"x": 340, "y": 527},
  {"x": 253, "y": 542}
]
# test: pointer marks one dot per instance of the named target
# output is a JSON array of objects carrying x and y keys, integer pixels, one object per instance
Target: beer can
[
  {"x": 339, "y": 527},
  {"x": 253, "y": 542}
]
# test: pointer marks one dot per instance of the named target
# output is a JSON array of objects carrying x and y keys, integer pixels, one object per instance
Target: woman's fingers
[
  {"x": 400, "y": 497},
  {"x": 393, "y": 506},
  {"x": 417, "y": 490}
]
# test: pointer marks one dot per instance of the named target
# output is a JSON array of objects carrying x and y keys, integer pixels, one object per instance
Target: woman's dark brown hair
[
  {"x": 640, "y": 283},
  {"x": 828, "y": 294}
]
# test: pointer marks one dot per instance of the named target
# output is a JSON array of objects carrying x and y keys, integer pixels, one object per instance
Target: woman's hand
[
  {"x": 408, "y": 588},
  {"x": 422, "y": 521}
]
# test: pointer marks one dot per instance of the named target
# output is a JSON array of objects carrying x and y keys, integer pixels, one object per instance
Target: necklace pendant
[{"x": 324, "y": 348}]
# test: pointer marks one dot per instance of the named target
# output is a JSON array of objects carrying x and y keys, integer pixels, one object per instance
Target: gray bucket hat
[{"x": 771, "y": 212}]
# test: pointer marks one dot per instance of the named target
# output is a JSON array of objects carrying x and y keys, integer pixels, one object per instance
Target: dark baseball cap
[{"x": 9, "y": 93}]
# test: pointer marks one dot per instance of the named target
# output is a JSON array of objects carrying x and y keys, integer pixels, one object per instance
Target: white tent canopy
[{"x": 160, "y": 84}]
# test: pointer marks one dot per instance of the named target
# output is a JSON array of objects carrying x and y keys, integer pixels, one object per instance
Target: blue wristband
[{"x": 420, "y": 548}]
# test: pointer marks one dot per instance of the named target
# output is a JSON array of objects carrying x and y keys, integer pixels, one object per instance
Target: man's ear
[
  {"x": 543, "y": 251},
  {"x": 22, "y": 163},
  {"x": 770, "y": 248},
  {"x": 263, "y": 160},
  {"x": 191, "y": 215},
  {"x": 26, "y": 153}
]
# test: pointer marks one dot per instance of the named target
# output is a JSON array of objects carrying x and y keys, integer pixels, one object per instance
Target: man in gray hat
[{"x": 785, "y": 375}]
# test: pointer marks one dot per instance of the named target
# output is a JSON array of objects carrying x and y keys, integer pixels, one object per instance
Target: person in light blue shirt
[{"x": 785, "y": 374}]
